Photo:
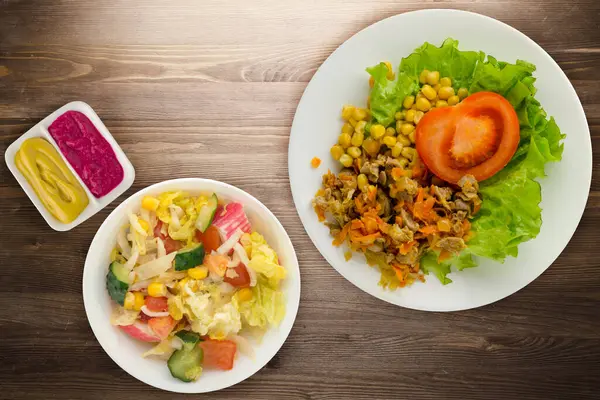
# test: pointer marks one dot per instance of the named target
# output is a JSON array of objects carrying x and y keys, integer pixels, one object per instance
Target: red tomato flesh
[
  {"x": 171, "y": 245},
  {"x": 241, "y": 280},
  {"x": 162, "y": 326},
  {"x": 218, "y": 353},
  {"x": 210, "y": 239},
  {"x": 156, "y": 304},
  {"x": 477, "y": 137}
]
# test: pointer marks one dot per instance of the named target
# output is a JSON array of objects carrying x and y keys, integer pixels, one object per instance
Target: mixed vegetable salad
[
  {"x": 441, "y": 166},
  {"x": 190, "y": 274}
]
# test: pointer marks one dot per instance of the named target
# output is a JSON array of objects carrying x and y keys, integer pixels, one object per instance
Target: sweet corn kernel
[
  {"x": 446, "y": 92},
  {"x": 419, "y": 96},
  {"x": 407, "y": 128},
  {"x": 353, "y": 152},
  {"x": 428, "y": 92},
  {"x": 399, "y": 126},
  {"x": 347, "y": 111},
  {"x": 408, "y": 101},
  {"x": 412, "y": 137},
  {"x": 390, "y": 131},
  {"x": 433, "y": 78},
  {"x": 453, "y": 100},
  {"x": 346, "y": 160},
  {"x": 360, "y": 127},
  {"x": 377, "y": 131},
  {"x": 389, "y": 141},
  {"x": 397, "y": 150},
  {"x": 347, "y": 128},
  {"x": 129, "y": 302},
  {"x": 245, "y": 294},
  {"x": 198, "y": 273},
  {"x": 352, "y": 122},
  {"x": 423, "y": 76},
  {"x": 363, "y": 182},
  {"x": 144, "y": 224},
  {"x": 157, "y": 289},
  {"x": 463, "y": 93},
  {"x": 359, "y": 114},
  {"x": 408, "y": 153},
  {"x": 399, "y": 116},
  {"x": 418, "y": 116},
  {"x": 403, "y": 140},
  {"x": 403, "y": 162},
  {"x": 150, "y": 203},
  {"x": 441, "y": 103},
  {"x": 336, "y": 151},
  {"x": 357, "y": 139},
  {"x": 446, "y": 81},
  {"x": 423, "y": 104},
  {"x": 139, "y": 300},
  {"x": 371, "y": 146},
  {"x": 410, "y": 115},
  {"x": 345, "y": 140}
]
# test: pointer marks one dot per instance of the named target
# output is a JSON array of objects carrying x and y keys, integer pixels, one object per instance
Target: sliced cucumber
[
  {"x": 207, "y": 214},
  {"x": 190, "y": 339},
  {"x": 186, "y": 364},
  {"x": 189, "y": 258},
  {"x": 117, "y": 282}
]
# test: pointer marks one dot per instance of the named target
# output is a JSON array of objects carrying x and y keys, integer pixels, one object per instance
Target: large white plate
[
  {"x": 342, "y": 80},
  {"x": 127, "y": 352}
]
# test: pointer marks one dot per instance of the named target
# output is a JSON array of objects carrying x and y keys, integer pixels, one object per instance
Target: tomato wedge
[
  {"x": 242, "y": 279},
  {"x": 477, "y": 137},
  {"x": 162, "y": 326},
  {"x": 171, "y": 245},
  {"x": 210, "y": 239},
  {"x": 218, "y": 353}
]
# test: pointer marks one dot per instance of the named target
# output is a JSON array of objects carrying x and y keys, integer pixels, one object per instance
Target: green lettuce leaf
[
  {"x": 267, "y": 306},
  {"x": 510, "y": 213}
]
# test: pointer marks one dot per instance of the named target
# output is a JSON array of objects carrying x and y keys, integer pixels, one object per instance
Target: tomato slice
[
  {"x": 171, "y": 245},
  {"x": 477, "y": 137},
  {"x": 162, "y": 326},
  {"x": 218, "y": 353},
  {"x": 242, "y": 279},
  {"x": 156, "y": 304},
  {"x": 210, "y": 239}
]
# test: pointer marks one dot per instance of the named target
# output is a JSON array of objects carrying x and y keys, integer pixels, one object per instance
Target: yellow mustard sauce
[{"x": 53, "y": 182}]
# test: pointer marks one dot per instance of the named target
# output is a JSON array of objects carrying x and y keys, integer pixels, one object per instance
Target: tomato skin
[
  {"x": 211, "y": 239},
  {"x": 218, "y": 353},
  {"x": 477, "y": 137},
  {"x": 171, "y": 245},
  {"x": 156, "y": 304},
  {"x": 240, "y": 281},
  {"x": 162, "y": 326}
]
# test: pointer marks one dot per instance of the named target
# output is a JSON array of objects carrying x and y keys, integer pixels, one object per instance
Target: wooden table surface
[{"x": 209, "y": 89}]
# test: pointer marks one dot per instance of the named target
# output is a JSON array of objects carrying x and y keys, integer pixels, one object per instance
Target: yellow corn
[
  {"x": 428, "y": 92},
  {"x": 446, "y": 92},
  {"x": 441, "y": 103},
  {"x": 390, "y": 131},
  {"x": 174, "y": 311},
  {"x": 336, "y": 151},
  {"x": 407, "y": 128},
  {"x": 433, "y": 78},
  {"x": 408, "y": 101},
  {"x": 129, "y": 302},
  {"x": 346, "y": 160},
  {"x": 150, "y": 203},
  {"x": 399, "y": 115},
  {"x": 360, "y": 127},
  {"x": 347, "y": 111},
  {"x": 389, "y": 141},
  {"x": 363, "y": 182},
  {"x": 423, "y": 76},
  {"x": 371, "y": 146},
  {"x": 408, "y": 153},
  {"x": 345, "y": 140},
  {"x": 198, "y": 273},
  {"x": 462, "y": 93},
  {"x": 418, "y": 116},
  {"x": 144, "y": 224},
  {"x": 157, "y": 289},
  {"x": 347, "y": 128},
  {"x": 412, "y": 136},
  {"x": 357, "y": 139},
  {"x": 423, "y": 104},
  {"x": 410, "y": 115},
  {"x": 397, "y": 149},
  {"x": 352, "y": 122},
  {"x": 377, "y": 131},
  {"x": 359, "y": 114},
  {"x": 453, "y": 100},
  {"x": 245, "y": 294},
  {"x": 446, "y": 81},
  {"x": 353, "y": 152}
]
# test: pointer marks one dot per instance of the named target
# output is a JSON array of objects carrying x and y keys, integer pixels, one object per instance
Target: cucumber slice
[
  {"x": 117, "y": 282},
  {"x": 207, "y": 214},
  {"x": 189, "y": 258},
  {"x": 190, "y": 339},
  {"x": 186, "y": 364}
]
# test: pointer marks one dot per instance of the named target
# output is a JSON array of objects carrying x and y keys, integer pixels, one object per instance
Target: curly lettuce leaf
[
  {"x": 510, "y": 212},
  {"x": 267, "y": 306}
]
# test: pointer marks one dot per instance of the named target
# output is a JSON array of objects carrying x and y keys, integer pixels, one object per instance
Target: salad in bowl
[{"x": 195, "y": 286}]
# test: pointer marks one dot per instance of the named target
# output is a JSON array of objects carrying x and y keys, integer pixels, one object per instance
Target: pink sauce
[{"x": 88, "y": 152}]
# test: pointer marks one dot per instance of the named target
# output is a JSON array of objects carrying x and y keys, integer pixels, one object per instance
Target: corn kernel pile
[{"x": 360, "y": 137}]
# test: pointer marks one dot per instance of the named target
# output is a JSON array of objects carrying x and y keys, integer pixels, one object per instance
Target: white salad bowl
[
  {"x": 342, "y": 79},
  {"x": 126, "y": 351}
]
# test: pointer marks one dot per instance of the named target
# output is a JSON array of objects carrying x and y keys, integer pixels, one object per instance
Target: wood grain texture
[{"x": 209, "y": 89}]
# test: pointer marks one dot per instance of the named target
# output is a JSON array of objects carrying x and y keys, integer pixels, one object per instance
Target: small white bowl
[
  {"x": 127, "y": 352},
  {"x": 95, "y": 204}
]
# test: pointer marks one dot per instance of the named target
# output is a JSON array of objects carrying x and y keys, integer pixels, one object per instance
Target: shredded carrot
[
  {"x": 366, "y": 239},
  {"x": 339, "y": 239},
  {"x": 320, "y": 213},
  {"x": 345, "y": 177},
  {"x": 428, "y": 229},
  {"x": 406, "y": 246},
  {"x": 315, "y": 162},
  {"x": 444, "y": 255}
]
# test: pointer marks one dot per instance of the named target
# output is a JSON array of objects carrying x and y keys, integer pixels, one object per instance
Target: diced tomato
[
  {"x": 241, "y": 280},
  {"x": 477, "y": 137},
  {"x": 218, "y": 353},
  {"x": 216, "y": 263},
  {"x": 210, "y": 239},
  {"x": 162, "y": 326},
  {"x": 156, "y": 304},
  {"x": 171, "y": 245}
]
